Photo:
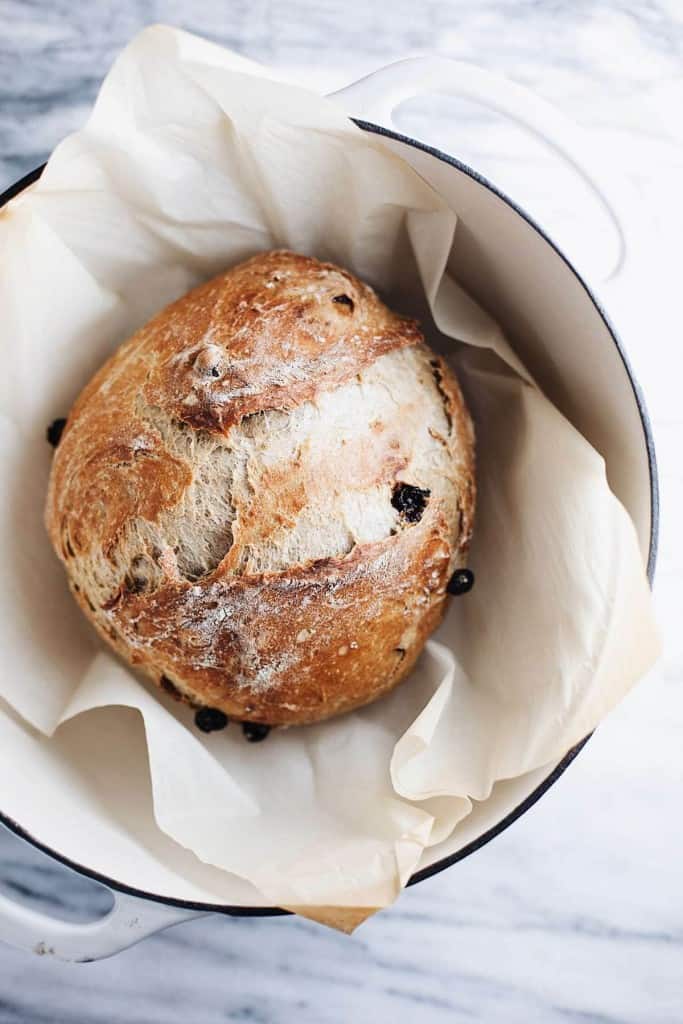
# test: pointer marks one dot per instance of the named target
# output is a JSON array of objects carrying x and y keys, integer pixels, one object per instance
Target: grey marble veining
[
  {"x": 575, "y": 914},
  {"x": 590, "y": 54}
]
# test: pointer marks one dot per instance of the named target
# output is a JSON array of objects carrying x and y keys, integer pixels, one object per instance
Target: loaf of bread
[{"x": 261, "y": 497}]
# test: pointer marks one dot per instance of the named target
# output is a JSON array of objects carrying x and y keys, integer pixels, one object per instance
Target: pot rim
[{"x": 560, "y": 768}]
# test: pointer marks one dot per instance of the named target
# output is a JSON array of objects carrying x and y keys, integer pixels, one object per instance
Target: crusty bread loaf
[{"x": 259, "y": 499}]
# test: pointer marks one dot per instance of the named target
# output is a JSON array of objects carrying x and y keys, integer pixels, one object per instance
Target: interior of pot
[
  {"x": 504, "y": 261},
  {"x": 516, "y": 274}
]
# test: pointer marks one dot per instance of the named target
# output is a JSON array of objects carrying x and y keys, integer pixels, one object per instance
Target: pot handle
[
  {"x": 130, "y": 920},
  {"x": 375, "y": 97}
]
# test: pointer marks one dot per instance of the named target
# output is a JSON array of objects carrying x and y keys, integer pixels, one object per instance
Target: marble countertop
[{"x": 576, "y": 912}]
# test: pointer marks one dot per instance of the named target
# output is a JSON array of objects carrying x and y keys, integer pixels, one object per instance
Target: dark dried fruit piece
[
  {"x": 409, "y": 501},
  {"x": 344, "y": 300},
  {"x": 460, "y": 582},
  {"x": 55, "y": 430},
  {"x": 210, "y": 719},
  {"x": 135, "y": 584},
  {"x": 254, "y": 732},
  {"x": 170, "y": 687},
  {"x": 136, "y": 580}
]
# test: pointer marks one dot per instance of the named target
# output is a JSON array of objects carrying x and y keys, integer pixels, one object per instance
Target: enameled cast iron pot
[{"x": 514, "y": 270}]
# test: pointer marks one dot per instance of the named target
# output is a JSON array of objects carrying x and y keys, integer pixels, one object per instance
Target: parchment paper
[{"x": 193, "y": 160}]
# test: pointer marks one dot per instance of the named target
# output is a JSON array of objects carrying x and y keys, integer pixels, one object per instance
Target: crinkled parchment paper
[{"x": 193, "y": 160}]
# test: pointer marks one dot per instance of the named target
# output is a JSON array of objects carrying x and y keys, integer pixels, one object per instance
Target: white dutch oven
[{"x": 515, "y": 271}]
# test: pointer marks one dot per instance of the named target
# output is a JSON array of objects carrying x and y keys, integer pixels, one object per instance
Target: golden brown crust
[
  {"x": 281, "y": 647},
  {"x": 270, "y": 342},
  {"x": 462, "y": 449},
  {"x": 300, "y": 646}
]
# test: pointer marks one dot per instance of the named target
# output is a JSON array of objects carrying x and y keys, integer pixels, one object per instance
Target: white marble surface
[{"x": 576, "y": 912}]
